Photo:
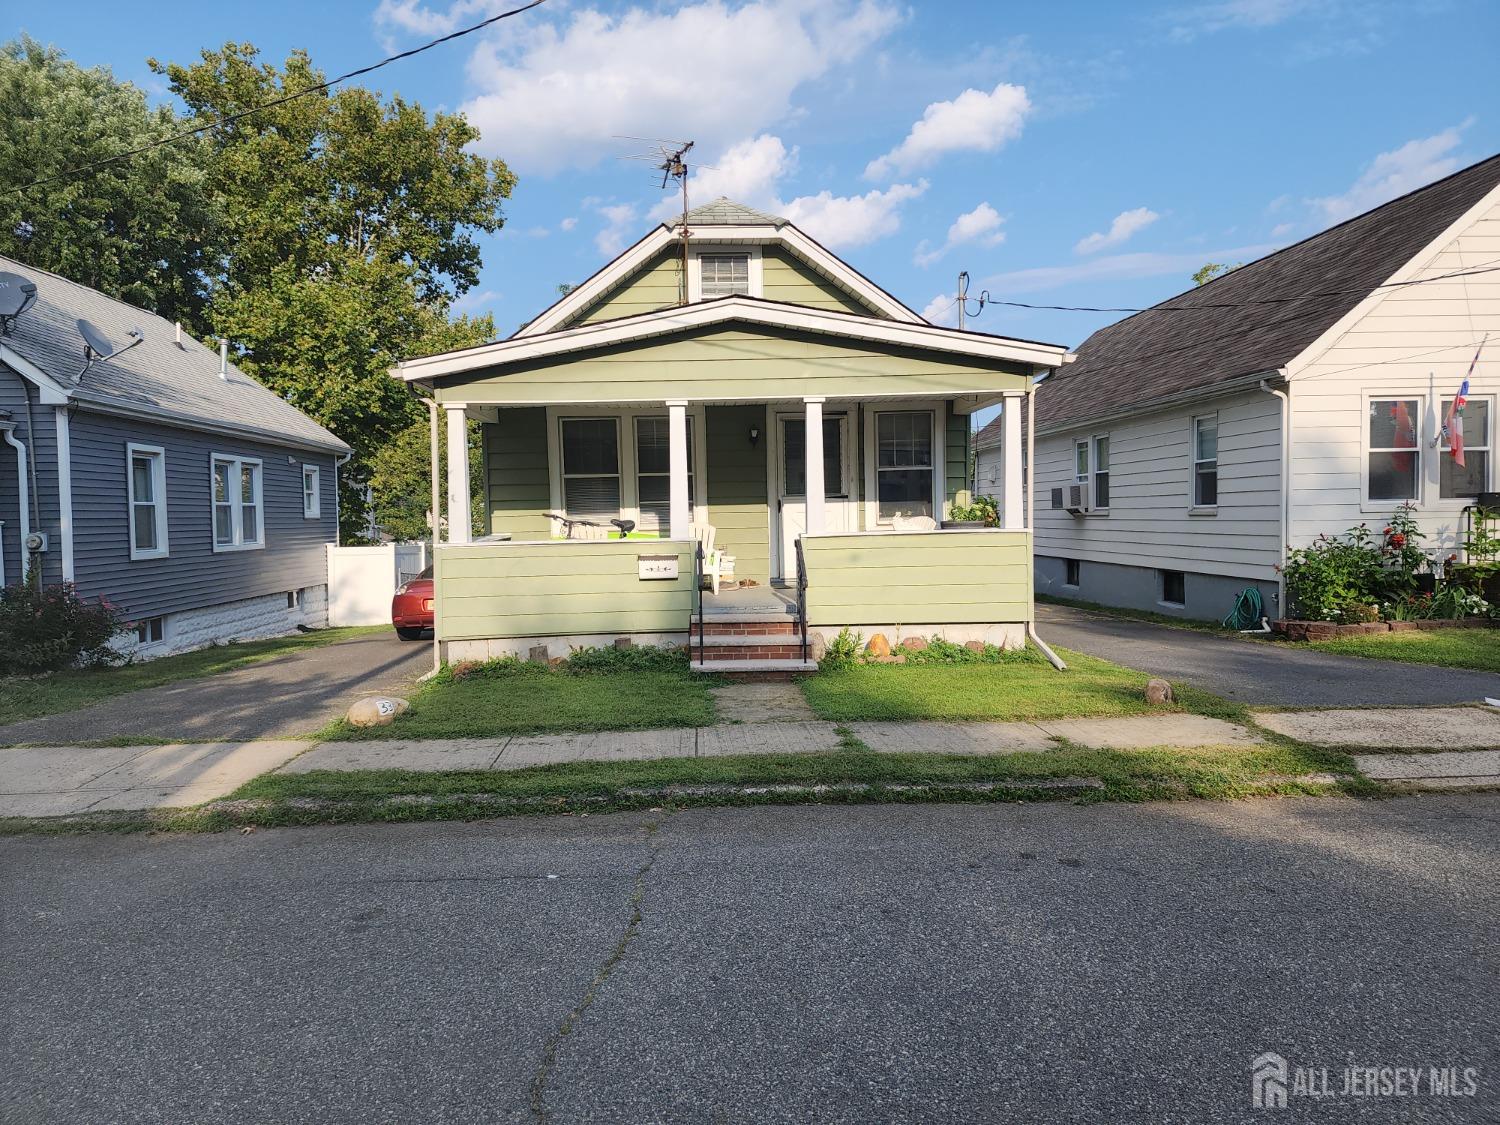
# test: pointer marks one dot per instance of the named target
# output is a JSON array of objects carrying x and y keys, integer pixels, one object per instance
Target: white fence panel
[{"x": 362, "y": 580}]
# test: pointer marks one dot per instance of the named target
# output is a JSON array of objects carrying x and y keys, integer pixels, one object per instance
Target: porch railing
[
  {"x": 801, "y": 595},
  {"x": 698, "y": 597}
]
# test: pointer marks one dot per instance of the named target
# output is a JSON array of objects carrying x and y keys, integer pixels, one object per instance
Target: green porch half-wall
[
  {"x": 928, "y": 578},
  {"x": 517, "y": 491},
  {"x": 561, "y": 588},
  {"x": 737, "y": 495}
]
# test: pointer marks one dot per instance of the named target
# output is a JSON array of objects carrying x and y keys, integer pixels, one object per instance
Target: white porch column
[
  {"x": 1013, "y": 518},
  {"x": 677, "y": 470},
  {"x": 814, "y": 444},
  {"x": 460, "y": 513}
]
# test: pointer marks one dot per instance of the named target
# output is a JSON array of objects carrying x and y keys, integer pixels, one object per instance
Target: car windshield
[{"x": 426, "y": 573}]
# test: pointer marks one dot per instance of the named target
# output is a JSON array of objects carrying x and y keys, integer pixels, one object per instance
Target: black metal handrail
[
  {"x": 801, "y": 595},
  {"x": 698, "y": 598}
]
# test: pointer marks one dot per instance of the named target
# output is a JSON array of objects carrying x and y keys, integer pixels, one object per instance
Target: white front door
[{"x": 791, "y": 482}]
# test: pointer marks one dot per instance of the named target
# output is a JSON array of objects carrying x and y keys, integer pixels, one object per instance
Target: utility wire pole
[{"x": 963, "y": 297}]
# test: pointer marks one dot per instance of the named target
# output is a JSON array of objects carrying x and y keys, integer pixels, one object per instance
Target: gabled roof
[
  {"x": 1159, "y": 355},
  {"x": 725, "y": 221},
  {"x": 722, "y": 311},
  {"x": 725, "y": 212},
  {"x": 157, "y": 379}
]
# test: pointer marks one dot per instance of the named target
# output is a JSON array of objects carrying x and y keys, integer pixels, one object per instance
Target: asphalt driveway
[
  {"x": 1026, "y": 963},
  {"x": 1259, "y": 672},
  {"x": 279, "y": 698}
]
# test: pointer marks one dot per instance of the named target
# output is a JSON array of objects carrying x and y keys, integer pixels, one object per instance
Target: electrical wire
[{"x": 231, "y": 118}]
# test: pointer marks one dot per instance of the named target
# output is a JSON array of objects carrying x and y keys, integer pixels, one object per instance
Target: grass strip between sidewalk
[{"x": 848, "y": 776}]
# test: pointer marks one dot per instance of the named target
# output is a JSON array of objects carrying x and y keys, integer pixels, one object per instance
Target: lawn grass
[
  {"x": 33, "y": 697},
  {"x": 524, "y": 698},
  {"x": 1478, "y": 649},
  {"x": 847, "y": 776},
  {"x": 1023, "y": 688}
]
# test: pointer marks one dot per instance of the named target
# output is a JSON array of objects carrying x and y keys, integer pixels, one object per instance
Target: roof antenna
[
  {"x": 668, "y": 158},
  {"x": 98, "y": 349}
]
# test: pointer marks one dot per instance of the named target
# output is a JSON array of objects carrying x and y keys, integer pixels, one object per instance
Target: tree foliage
[
  {"x": 145, "y": 230},
  {"x": 1211, "y": 270}
]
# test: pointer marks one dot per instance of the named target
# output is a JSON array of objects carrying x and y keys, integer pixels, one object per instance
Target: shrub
[
  {"x": 844, "y": 650},
  {"x": 1330, "y": 579},
  {"x": 47, "y": 629},
  {"x": 939, "y": 651},
  {"x": 636, "y": 658},
  {"x": 982, "y": 510}
]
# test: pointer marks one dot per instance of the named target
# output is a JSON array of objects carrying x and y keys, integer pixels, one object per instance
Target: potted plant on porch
[{"x": 981, "y": 511}]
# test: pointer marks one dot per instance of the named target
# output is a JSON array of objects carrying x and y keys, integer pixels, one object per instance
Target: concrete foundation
[{"x": 1208, "y": 597}]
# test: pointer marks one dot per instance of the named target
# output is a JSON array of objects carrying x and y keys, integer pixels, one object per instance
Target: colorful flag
[{"x": 1453, "y": 427}]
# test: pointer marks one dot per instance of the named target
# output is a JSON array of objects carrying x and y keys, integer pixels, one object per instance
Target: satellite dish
[
  {"x": 96, "y": 342},
  {"x": 16, "y": 296}
]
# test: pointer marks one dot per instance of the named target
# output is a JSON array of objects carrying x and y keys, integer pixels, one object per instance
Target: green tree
[
  {"x": 145, "y": 230},
  {"x": 1212, "y": 270},
  {"x": 353, "y": 224}
]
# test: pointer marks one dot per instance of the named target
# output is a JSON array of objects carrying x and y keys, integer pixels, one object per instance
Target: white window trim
[
  {"x": 1094, "y": 471},
  {"x": 1195, "y": 508},
  {"x": 236, "y": 505},
  {"x": 872, "y": 411},
  {"x": 1088, "y": 460},
  {"x": 158, "y": 457},
  {"x": 695, "y": 438},
  {"x": 695, "y": 267},
  {"x": 1457, "y": 503},
  {"x": 1424, "y": 463},
  {"x": 625, "y": 418},
  {"x": 316, "y": 511}
]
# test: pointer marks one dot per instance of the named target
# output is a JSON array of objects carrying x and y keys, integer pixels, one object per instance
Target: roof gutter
[{"x": 1217, "y": 390}]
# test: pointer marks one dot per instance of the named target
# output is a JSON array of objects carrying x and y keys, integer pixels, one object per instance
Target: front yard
[{"x": 1478, "y": 649}]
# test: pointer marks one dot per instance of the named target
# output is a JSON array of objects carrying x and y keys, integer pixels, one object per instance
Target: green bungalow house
[{"x": 774, "y": 406}]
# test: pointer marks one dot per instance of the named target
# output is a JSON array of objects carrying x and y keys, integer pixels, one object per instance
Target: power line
[{"x": 230, "y": 119}]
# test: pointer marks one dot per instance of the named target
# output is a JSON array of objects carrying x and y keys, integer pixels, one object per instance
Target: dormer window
[{"x": 724, "y": 275}]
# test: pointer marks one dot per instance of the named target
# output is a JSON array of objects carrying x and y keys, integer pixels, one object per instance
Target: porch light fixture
[{"x": 754, "y": 435}]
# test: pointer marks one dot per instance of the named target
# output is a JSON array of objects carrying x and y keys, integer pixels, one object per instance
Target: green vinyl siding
[
  {"x": 785, "y": 277},
  {"x": 926, "y": 578},
  {"x": 737, "y": 488},
  {"x": 735, "y": 363},
  {"x": 656, "y": 285},
  {"x": 559, "y": 588},
  {"x": 517, "y": 491},
  {"x": 956, "y": 454}
]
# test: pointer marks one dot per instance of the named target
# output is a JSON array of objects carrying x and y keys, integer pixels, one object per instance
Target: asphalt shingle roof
[
  {"x": 1154, "y": 354},
  {"x": 156, "y": 378},
  {"x": 725, "y": 212}
]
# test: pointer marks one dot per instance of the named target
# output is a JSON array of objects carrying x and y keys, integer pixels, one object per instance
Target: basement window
[
  {"x": 150, "y": 630},
  {"x": 1072, "y": 572},
  {"x": 1173, "y": 588}
]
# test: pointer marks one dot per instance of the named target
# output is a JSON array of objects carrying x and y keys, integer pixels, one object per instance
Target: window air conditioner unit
[{"x": 1078, "y": 499}]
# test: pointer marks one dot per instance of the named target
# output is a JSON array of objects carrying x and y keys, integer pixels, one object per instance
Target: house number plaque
[{"x": 656, "y": 567}]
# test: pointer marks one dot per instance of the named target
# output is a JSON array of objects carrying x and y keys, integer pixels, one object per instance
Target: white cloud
[
  {"x": 972, "y": 122},
  {"x": 942, "y": 309},
  {"x": 476, "y": 300},
  {"x": 1125, "y": 224},
  {"x": 1206, "y": 19},
  {"x": 981, "y": 225},
  {"x": 747, "y": 172},
  {"x": 1281, "y": 230},
  {"x": 553, "y": 95},
  {"x": 851, "y": 220},
  {"x": 1414, "y": 164},
  {"x": 1119, "y": 267},
  {"x": 569, "y": 223},
  {"x": 619, "y": 218}
]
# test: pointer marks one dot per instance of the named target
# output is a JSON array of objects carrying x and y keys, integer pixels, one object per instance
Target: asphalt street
[
  {"x": 1027, "y": 963},
  {"x": 1259, "y": 672}
]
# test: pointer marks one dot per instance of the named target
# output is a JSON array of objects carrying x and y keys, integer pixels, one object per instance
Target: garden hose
[{"x": 1248, "y": 610}]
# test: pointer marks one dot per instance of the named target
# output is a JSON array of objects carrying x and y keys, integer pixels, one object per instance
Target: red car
[{"x": 411, "y": 608}]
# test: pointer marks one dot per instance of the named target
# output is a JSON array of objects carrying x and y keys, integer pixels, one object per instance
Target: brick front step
[
  {"x": 756, "y": 666},
  {"x": 750, "y": 652},
  {"x": 712, "y": 628}
]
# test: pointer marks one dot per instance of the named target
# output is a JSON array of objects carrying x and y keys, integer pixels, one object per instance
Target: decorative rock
[
  {"x": 377, "y": 711},
  {"x": 538, "y": 654},
  {"x": 817, "y": 646},
  {"x": 1403, "y": 626},
  {"x": 878, "y": 648},
  {"x": 914, "y": 644},
  {"x": 974, "y": 646},
  {"x": 1158, "y": 692}
]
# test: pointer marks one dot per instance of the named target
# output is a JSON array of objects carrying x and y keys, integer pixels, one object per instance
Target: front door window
[{"x": 794, "y": 457}]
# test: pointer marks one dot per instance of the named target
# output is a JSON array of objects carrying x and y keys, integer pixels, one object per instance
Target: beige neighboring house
[
  {"x": 773, "y": 404},
  {"x": 1295, "y": 396}
]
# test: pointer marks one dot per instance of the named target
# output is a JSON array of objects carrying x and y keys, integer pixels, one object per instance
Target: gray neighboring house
[
  {"x": 180, "y": 489},
  {"x": 1295, "y": 396}
]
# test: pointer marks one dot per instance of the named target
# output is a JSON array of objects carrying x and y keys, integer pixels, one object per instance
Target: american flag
[{"x": 1453, "y": 425}]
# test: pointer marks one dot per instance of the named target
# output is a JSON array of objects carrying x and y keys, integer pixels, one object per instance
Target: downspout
[
  {"x": 36, "y": 511},
  {"x": 1286, "y": 485},
  {"x": 339, "y": 461},
  {"x": 9, "y": 430},
  {"x": 1030, "y": 423}
]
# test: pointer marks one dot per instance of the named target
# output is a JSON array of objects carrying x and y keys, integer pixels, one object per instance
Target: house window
[
  {"x": 903, "y": 466},
  {"x": 1081, "y": 462},
  {"x": 1206, "y": 461},
  {"x": 147, "y": 472},
  {"x": 1474, "y": 477},
  {"x": 653, "y": 477},
  {"x": 150, "y": 630},
  {"x": 1072, "y": 572},
  {"x": 312, "y": 500},
  {"x": 1173, "y": 587},
  {"x": 1101, "y": 472},
  {"x": 723, "y": 275},
  {"x": 794, "y": 457},
  {"x": 591, "y": 468},
  {"x": 239, "y": 523},
  {"x": 1395, "y": 454}
]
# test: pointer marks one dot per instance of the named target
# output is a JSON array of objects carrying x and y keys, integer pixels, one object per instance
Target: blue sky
[{"x": 1061, "y": 153}]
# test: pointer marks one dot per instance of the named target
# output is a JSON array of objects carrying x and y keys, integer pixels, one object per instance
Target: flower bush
[
  {"x": 49, "y": 628},
  {"x": 982, "y": 509}
]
